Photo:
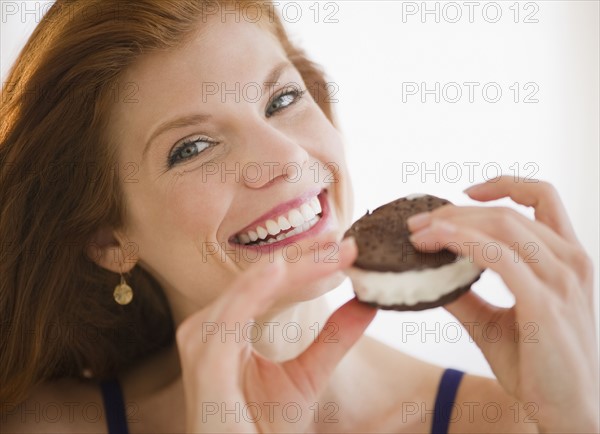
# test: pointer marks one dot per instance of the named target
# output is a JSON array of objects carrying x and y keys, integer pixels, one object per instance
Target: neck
[
  {"x": 278, "y": 336},
  {"x": 290, "y": 331}
]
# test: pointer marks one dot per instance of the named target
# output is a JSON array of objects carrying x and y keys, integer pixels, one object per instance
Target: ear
[{"x": 110, "y": 250}]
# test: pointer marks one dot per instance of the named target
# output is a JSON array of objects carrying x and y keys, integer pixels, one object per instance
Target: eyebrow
[{"x": 196, "y": 119}]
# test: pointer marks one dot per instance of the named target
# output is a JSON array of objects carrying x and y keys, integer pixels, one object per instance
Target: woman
[{"x": 143, "y": 144}]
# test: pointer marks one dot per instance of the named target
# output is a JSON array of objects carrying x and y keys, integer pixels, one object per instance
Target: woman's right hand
[{"x": 229, "y": 387}]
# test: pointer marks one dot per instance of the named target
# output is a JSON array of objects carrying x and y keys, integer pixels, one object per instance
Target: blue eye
[
  {"x": 189, "y": 149},
  {"x": 284, "y": 100}
]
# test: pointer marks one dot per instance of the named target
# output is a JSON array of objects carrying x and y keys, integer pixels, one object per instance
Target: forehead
[
  {"x": 217, "y": 47},
  {"x": 161, "y": 83}
]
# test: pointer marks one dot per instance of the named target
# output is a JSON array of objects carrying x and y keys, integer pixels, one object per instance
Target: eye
[
  {"x": 189, "y": 149},
  {"x": 283, "y": 100}
]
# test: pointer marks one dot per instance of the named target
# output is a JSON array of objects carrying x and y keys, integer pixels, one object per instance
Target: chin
[{"x": 318, "y": 288}]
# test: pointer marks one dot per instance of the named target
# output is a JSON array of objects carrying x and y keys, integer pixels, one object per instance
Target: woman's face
[{"x": 231, "y": 144}]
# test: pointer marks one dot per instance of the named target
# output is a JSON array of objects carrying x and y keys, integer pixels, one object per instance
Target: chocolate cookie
[{"x": 389, "y": 273}]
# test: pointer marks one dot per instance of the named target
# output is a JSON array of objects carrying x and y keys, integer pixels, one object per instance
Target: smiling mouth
[{"x": 289, "y": 223}]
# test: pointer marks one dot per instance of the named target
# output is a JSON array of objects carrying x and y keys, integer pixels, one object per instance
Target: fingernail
[
  {"x": 349, "y": 241},
  {"x": 474, "y": 187},
  {"x": 349, "y": 247},
  {"x": 418, "y": 221},
  {"x": 420, "y": 234}
]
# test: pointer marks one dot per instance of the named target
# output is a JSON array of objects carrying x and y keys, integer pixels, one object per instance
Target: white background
[{"x": 370, "y": 48}]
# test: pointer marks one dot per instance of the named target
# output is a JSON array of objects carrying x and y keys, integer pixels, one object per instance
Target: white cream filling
[
  {"x": 411, "y": 287},
  {"x": 415, "y": 196}
]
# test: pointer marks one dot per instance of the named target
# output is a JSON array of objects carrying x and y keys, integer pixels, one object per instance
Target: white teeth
[
  {"x": 315, "y": 205},
  {"x": 303, "y": 228},
  {"x": 272, "y": 227},
  {"x": 283, "y": 223},
  {"x": 262, "y": 233},
  {"x": 301, "y": 219},
  {"x": 307, "y": 211},
  {"x": 296, "y": 219}
]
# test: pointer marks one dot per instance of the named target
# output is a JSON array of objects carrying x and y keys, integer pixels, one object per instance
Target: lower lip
[{"x": 319, "y": 227}]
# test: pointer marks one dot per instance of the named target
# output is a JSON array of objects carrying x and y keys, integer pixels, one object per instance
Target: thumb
[
  {"x": 341, "y": 331},
  {"x": 473, "y": 311}
]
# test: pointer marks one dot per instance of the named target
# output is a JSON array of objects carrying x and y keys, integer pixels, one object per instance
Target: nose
[{"x": 271, "y": 154}]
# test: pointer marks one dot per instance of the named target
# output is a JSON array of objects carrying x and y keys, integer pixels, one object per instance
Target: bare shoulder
[
  {"x": 483, "y": 406},
  {"x": 399, "y": 391},
  {"x": 65, "y": 405},
  {"x": 377, "y": 389},
  {"x": 418, "y": 377}
]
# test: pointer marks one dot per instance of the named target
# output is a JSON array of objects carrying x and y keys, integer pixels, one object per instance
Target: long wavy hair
[{"x": 60, "y": 184}]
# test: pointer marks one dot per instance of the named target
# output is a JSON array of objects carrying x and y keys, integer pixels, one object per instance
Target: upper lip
[{"x": 280, "y": 209}]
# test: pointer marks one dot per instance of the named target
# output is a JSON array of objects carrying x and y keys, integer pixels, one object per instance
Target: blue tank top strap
[
  {"x": 444, "y": 400},
  {"x": 114, "y": 407}
]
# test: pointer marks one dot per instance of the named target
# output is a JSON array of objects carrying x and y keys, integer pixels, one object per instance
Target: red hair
[{"x": 58, "y": 188}]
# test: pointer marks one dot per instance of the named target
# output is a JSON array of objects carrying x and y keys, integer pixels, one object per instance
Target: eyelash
[
  {"x": 174, "y": 158},
  {"x": 297, "y": 93}
]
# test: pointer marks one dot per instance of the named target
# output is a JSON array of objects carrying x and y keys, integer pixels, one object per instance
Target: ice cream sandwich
[{"x": 390, "y": 273}]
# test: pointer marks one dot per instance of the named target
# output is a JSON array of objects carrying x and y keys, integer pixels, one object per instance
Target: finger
[
  {"x": 340, "y": 333},
  {"x": 471, "y": 309},
  {"x": 207, "y": 338},
  {"x": 533, "y": 253},
  {"x": 254, "y": 291},
  {"x": 518, "y": 276},
  {"x": 243, "y": 302},
  {"x": 549, "y": 272},
  {"x": 546, "y": 254},
  {"x": 251, "y": 294},
  {"x": 540, "y": 195},
  {"x": 563, "y": 249}
]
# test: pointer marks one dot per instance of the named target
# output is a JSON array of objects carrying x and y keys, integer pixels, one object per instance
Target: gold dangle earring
[{"x": 123, "y": 294}]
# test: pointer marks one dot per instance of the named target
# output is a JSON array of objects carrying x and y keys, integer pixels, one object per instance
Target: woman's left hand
[{"x": 543, "y": 349}]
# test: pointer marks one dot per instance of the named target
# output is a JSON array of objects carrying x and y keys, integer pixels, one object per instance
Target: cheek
[
  {"x": 195, "y": 207},
  {"x": 327, "y": 145},
  {"x": 318, "y": 135},
  {"x": 174, "y": 218},
  {"x": 174, "y": 228}
]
